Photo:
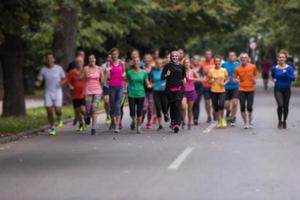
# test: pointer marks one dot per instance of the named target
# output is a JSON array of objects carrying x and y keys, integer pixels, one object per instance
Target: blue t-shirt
[
  {"x": 230, "y": 67},
  {"x": 159, "y": 84},
  {"x": 284, "y": 77}
]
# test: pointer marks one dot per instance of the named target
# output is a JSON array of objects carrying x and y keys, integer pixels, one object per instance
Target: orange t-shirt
[
  {"x": 246, "y": 75},
  {"x": 205, "y": 66}
]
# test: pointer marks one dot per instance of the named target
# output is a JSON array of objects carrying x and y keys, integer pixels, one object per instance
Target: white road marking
[
  {"x": 209, "y": 128},
  {"x": 176, "y": 163}
]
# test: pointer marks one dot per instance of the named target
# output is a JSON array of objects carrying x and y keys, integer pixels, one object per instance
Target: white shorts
[{"x": 53, "y": 99}]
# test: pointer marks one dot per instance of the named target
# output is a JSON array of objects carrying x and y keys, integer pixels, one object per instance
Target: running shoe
[
  {"x": 250, "y": 125},
  {"x": 60, "y": 122},
  {"x": 149, "y": 126},
  {"x": 284, "y": 125},
  {"x": 138, "y": 130},
  {"x": 189, "y": 126},
  {"x": 160, "y": 128},
  {"x": 172, "y": 124},
  {"x": 93, "y": 131},
  {"x": 280, "y": 125},
  {"x": 80, "y": 128},
  {"x": 52, "y": 131},
  {"x": 176, "y": 129},
  {"x": 232, "y": 123},
  {"x": 132, "y": 125},
  {"x": 219, "y": 124},
  {"x": 154, "y": 120},
  {"x": 166, "y": 118},
  {"x": 117, "y": 130},
  {"x": 87, "y": 120},
  {"x": 246, "y": 126},
  {"x": 107, "y": 120},
  {"x": 196, "y": 123},
  {"x": 224, "y": 123}
]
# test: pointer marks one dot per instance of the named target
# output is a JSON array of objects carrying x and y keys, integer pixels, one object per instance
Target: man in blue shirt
[{"x": 231, "y": 99}]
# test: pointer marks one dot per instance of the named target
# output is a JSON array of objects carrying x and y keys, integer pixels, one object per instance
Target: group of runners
[{"x": 158, "y": 89}]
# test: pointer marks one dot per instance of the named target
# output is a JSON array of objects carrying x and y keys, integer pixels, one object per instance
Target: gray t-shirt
[{"x": 52, "y": 77}]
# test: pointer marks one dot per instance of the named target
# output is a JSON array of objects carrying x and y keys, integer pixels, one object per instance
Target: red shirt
[{"x": 78, "y": 84}]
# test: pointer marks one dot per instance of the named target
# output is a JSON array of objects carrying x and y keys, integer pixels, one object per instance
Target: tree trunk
[
  {"x": 65, "y": 40},
  {"x": 12, "y": 55}
]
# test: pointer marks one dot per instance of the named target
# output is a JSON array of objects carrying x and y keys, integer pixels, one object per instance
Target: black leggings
[
  {"x": 136, "y": 106},
  {"x": 282, "y": 97},
  {"x": 196, "y": 106},
  {"x": 218, "y": 100},
  {"x": 246, "y": 98},
  {"x": 161, "y": 103},
  {"x": 174, "y": 102}
]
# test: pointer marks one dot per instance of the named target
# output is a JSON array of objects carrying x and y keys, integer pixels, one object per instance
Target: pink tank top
[
  {"x": 189, "y": 84},
  {"x": 116, "y": 79},
  {"x": 92, "y": 85}
]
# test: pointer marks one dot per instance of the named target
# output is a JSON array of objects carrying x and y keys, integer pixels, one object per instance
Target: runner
[
  {"x": 148, "y": 102},
  {"x": 218, "y": 77},
  {"x": 198, "y": 88},
  {"x": 174, "y": 73},
  {"x": 93, "y": 78},
  {"x": 205, "y": 67},
  {"x": 77, "y": 85},
  {"x": 72, "y": 65},
  {"x": 283, "y": 76},
  {"x": 265, "y": 69},
  {"x": 115, "y": 74},
  {"x": 161, "y": 102},
  {"x": 136, "y": 78},
  {"x": 245, "y": 75},
  {"x": 190, "y": 94},
  {"x": 105, "y": 89},
  {"x": 232, "y": 88},
  {"x": 54, "y": 77}
]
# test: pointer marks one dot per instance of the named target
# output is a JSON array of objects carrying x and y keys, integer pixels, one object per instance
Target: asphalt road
[{"x": 204, "y": 163}]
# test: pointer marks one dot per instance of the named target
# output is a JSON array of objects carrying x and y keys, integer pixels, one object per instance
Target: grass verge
[{"x": 34, "y": 118}]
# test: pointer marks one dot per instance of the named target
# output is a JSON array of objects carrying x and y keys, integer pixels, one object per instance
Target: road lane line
[
  {"x": 209, "y": 128},
  {"x": 176, "y": 163}
]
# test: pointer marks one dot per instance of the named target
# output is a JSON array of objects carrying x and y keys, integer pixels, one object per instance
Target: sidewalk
[{"x": 30, "y": 103}]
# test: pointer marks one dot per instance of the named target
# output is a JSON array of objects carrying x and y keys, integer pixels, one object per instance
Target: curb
[{"x": 36, "y": 131}]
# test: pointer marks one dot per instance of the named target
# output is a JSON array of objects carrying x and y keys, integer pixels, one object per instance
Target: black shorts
[
  {"x": 265, "y": 76},
  {"x": 232, "y": 94},
  {"x": 105, "y": 91},
  {"x": 78, "y": 102}
]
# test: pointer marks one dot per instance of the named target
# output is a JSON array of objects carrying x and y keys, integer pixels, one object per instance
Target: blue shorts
[
  {"x": 106, "y": 91},
  {"x": 206, "y": 93}
]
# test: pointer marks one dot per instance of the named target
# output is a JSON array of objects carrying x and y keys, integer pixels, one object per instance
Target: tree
[{"x": 17, "y": 18}]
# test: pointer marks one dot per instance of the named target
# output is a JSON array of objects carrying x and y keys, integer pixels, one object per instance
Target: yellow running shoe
[
  {"x": 60, "y": 123},
  {"x": 223, "y": 123},
  {"x": 108, "y": 120},
  {"x": 219, "y": 124},
  {"x": 52, "y": 131}
]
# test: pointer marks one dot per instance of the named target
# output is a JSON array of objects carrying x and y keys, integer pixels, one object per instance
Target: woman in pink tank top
[
  {"x": 190, "y": 94},
  {"x": 116, "y": 74},
  {"x": 93, "y": 77}
]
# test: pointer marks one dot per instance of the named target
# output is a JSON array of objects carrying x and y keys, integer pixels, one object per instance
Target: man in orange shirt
[
  {"x": 246, "y": 76},
  {"x": 77, "y": 85},
  {"x": 205, "y": 66}
]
